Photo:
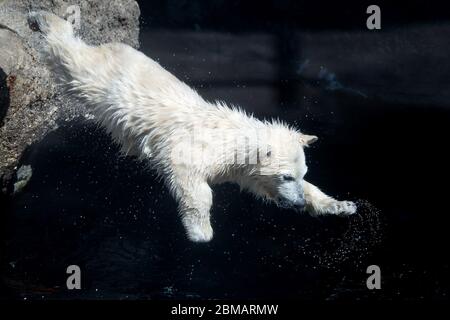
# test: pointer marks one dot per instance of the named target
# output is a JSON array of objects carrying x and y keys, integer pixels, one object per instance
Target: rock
[
  {"x": 30, "y": 102},
  {"x": 23, "y": 177}
]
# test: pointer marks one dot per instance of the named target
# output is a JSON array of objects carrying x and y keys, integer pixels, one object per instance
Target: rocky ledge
[{"x": 31, "y": 105}]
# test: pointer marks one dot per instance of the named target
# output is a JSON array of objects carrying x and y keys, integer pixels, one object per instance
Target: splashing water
[{"x": 363, "y": 233}]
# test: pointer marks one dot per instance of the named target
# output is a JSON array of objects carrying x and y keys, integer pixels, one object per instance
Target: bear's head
[{"x": 279, "y": 173}]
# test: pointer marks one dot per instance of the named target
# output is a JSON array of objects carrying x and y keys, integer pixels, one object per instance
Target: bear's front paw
[
  {"x": 198, "y": 231},
  {"x": 343, "y": 208}
]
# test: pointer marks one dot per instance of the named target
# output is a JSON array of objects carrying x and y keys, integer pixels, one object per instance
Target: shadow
[
  {"x": 5, "y": 200},
  {"x": 4, "y": 96}
]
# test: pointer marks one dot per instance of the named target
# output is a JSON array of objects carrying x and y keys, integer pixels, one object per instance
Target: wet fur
[{"x": 149, "y": 112}]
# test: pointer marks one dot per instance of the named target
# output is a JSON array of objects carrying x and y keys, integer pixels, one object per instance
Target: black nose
[{"x": 300, "y": 203}]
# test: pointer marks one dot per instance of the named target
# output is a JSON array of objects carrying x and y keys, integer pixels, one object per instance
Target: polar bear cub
[{"x": 192, "y": 143}]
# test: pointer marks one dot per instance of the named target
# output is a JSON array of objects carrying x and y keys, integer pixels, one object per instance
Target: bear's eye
[{"x": 287, "y": 177}]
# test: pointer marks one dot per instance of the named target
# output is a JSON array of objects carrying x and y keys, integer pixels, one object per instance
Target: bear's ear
[
  {"x": 264, "y": 152},
  {"x": 306, "y": 139}
]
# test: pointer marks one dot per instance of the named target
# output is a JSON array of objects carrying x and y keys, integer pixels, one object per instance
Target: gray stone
[
  {"x": 30, "y": 102},
  {"x": 24, "y": 174}
]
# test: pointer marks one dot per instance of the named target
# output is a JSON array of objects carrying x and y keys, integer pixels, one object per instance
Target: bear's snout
[{"x": 300, "y": 203}]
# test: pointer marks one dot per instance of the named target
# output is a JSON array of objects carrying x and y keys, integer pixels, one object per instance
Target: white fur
[{"x": 154, "y": 116}]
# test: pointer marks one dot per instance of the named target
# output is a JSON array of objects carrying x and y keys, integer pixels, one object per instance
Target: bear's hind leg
[{"x": 49, "y": 24}]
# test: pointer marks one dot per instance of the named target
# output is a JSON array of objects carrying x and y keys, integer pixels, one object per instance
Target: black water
[{"x": 380, "y": 110}]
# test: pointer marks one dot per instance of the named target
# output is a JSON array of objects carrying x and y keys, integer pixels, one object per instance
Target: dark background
[{"x": 379, "y": 102}]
